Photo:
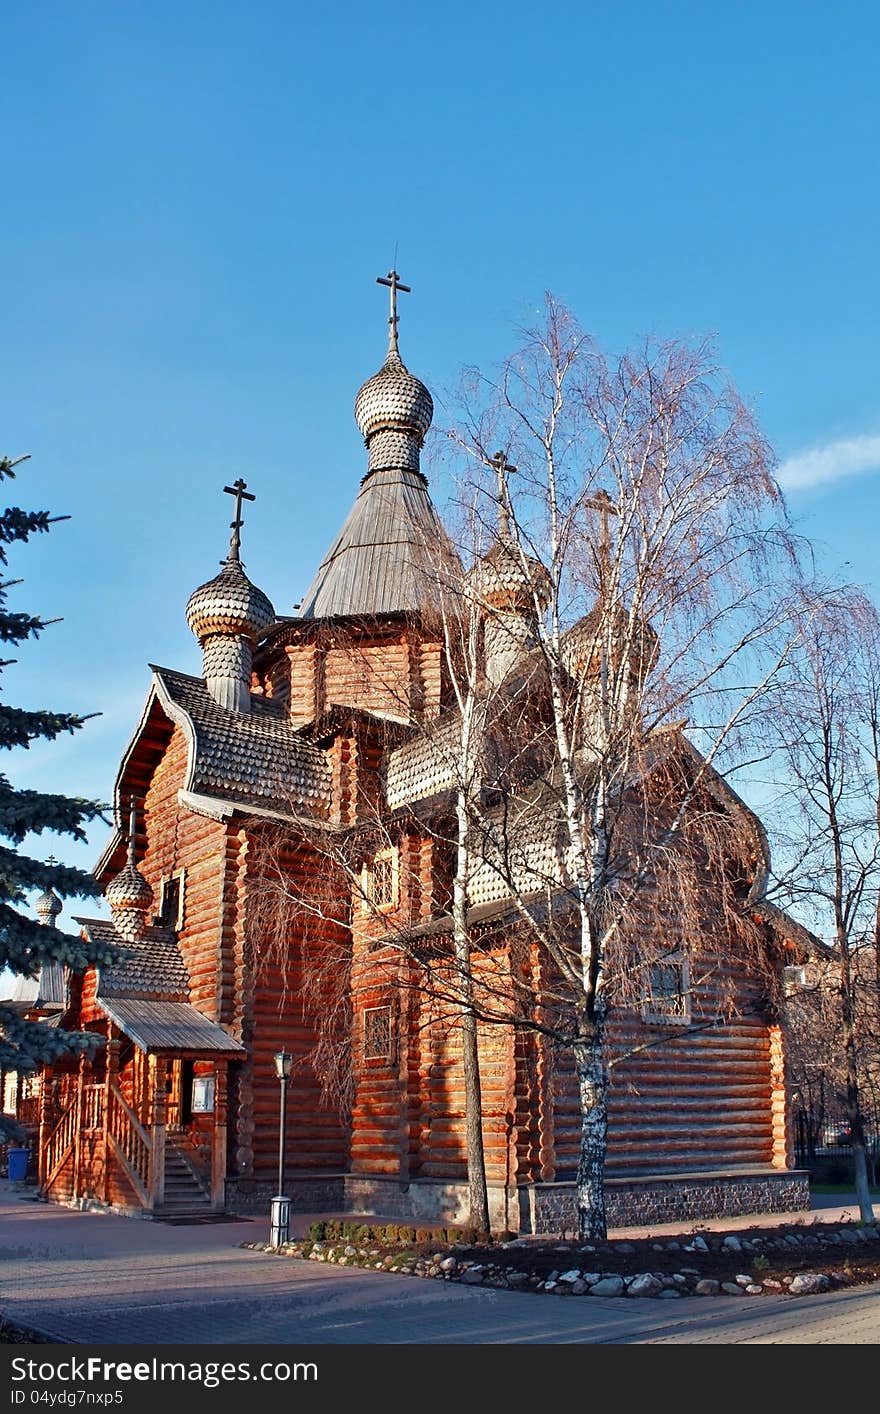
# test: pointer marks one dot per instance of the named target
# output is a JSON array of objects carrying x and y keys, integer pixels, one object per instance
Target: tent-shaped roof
[{"x": 391, "y": 555}]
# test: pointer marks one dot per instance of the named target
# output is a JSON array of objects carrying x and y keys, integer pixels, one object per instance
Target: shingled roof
[
  {"x": 426, "y": 764},
  {"x": 389, "y": 556},
  {"x": 251, "y": 757},
  {"x": 150, "y": 967}
]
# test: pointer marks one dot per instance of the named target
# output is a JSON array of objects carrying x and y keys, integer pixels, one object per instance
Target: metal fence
[{"x": 822, "y": 1139}]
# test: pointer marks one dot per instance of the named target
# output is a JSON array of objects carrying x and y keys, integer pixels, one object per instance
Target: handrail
[
  {"x": 59, "y": 1144},
  {"x": 133, "y": 1120},
  {"x": 130, "y": 1143}
]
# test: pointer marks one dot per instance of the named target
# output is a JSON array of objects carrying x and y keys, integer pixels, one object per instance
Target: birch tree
[
  {"x": 827, "y": 736},
  {"x": 645, "y": 493}
]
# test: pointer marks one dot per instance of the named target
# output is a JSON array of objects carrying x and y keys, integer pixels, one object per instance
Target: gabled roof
[
  {"x": 146, "y": 994},
  {"x": 255, "y": 759},
  {"x": 152, "y": 966},
  {"x": 389, "y": 556}
]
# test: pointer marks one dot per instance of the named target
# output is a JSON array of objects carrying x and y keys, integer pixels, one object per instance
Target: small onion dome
[
  {"x": 583, "y": 642},
  {"x": 505, "y": 580},
  {"x": 229, "y": 605},
  {"x": 47, "y": 908},
  {"x": 393, "y": 399},
  {"x": 129, "y": 890}
]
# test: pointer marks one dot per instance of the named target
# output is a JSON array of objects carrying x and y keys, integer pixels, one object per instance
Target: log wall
[
  {"x": 178, "y": 839},
  {"x": 280, "y": 1000}
]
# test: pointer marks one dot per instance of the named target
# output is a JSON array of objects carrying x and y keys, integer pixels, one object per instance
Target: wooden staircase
[{"x": 186, "y": 1195}]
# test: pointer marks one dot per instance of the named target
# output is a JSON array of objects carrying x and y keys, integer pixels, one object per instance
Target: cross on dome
[
  {"x": 239, "y": 490},
  {"x": 392, "y": 280},
  {"x": 603, "y": 503},
  {"x": 503, "y": 468}
]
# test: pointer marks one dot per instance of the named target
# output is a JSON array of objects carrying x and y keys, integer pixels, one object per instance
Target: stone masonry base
[{"x": 539, "y": 1207}]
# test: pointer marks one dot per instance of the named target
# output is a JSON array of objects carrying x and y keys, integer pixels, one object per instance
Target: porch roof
[{"x": 169, "y": 1026}]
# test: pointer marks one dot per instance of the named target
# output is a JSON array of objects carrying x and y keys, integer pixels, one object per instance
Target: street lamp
[{"x": 280, "y": 1203}]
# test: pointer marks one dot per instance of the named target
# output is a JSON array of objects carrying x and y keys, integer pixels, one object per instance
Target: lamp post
[{"x": 280, "y": 1203}]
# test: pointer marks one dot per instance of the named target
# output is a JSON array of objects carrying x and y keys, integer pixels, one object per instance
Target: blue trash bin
[{"x": 17, "y": 1163}]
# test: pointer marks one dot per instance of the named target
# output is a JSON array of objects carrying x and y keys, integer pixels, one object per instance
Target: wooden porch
[{"x": 119, "y": 1138}]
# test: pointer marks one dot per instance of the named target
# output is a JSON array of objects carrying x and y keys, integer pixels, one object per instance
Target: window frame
[
  {"x": 386, "y": 1056},
  {"x": 369, "y": 902},
  {"x": 178, "y": 877},
  {"x": 654, "y": 1012}
]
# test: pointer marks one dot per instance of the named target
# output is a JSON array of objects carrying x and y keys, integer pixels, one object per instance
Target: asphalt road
[{"x": 95, "y": 1279}]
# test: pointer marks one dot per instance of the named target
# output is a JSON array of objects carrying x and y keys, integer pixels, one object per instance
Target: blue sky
[{"x": 198, "y": 198}]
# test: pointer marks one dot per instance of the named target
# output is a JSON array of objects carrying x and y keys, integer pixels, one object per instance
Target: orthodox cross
[
  {"x": 503, "y": 469},
  {"x": 239, "y": 490},
  {"x": 392, "y": 280},
  {"x": 603, "y": 503}
]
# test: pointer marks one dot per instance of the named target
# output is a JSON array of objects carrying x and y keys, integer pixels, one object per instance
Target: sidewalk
[{"x": 96, "y": 1278}]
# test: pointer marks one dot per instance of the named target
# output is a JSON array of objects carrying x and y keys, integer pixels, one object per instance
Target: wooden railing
[
  {"x": 93, "y": 1107},
  {"x": 59, "y": 1145},
  {"x": 130, "y": 1143}
]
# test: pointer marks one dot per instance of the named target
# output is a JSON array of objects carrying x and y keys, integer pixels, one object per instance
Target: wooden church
[{"x": 317, "y": 722}]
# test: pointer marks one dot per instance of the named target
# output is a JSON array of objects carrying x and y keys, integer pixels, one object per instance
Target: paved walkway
[{"x": 94, "y": 1279}]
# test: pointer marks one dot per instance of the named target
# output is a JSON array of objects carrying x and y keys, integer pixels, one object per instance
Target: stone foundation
[
  {"x": 551, "y": 1207},
  {"x": 540, "y": 1207},
  {"x": 311, "y": 1193}
]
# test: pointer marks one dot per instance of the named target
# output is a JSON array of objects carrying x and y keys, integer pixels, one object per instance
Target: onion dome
[
  {"x": 393, "y": 409},
  {"x": 47, "y": 908},
  {"x": 229, "y": 605},
  {"x": 505, "y": 578},
  {"x": 393, "y": 400},
  {"x": 583, "y": 643},
  {"x": 129, "y": 895},
  {"x": 129, "y": 889}
]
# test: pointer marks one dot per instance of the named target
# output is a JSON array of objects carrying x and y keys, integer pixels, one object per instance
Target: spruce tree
[{"x": 25, "y": 944}]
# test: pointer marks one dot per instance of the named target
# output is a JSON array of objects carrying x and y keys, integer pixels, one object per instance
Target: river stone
[
  {"x": 731, "y": 1288},
  {"x": 608, "y": 1286},
  {"x": 732, "y": 1243},
  {"x": 809, "y": 1283},
  {"x": 707, "y": 1286},
  {"x": 473, "y": 1276},
  {"x": 643, "y": 1285},
  {"x": 449, "y": 1264}
]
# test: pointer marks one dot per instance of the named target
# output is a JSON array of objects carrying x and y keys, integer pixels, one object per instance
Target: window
[
  {"x": 379, "y": 880},
  {"x": 377, "y": 1033},
  {"x": 171, "y": 907},
  {"x": 668, "y": 994},
  {"x": 794, "y": 979}
]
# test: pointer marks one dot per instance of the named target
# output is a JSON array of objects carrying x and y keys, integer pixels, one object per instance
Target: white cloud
[{"x": 852, "y": 456}]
